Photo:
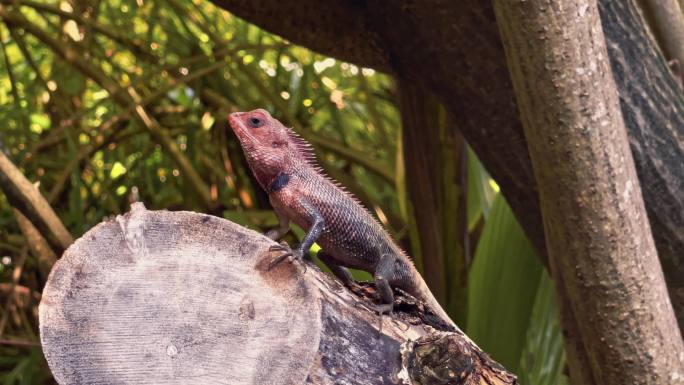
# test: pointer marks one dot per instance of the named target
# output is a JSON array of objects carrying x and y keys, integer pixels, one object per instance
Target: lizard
[{"x": 284, "y": 165}]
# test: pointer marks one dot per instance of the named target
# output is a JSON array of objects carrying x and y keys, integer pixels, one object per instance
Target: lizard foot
[
  {"x": 385, "y": 308},
  {"x": 287, "y": 252},
  {"x": 354, "y": 287}
]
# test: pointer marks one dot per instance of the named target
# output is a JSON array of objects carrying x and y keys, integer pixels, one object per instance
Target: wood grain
[{"x": 158, "y": 297}]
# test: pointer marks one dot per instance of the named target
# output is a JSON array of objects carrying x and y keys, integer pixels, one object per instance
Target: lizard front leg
[
  {"x": 282, "y": 229},
  {"x": 312, "y": 234}
]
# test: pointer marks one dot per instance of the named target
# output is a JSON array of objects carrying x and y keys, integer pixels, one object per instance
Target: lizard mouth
[{"x": 240, "y": 129}]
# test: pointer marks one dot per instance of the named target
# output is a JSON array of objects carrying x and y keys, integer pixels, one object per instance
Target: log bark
[
  {"x": 454, "y": 50},
  {"x": 157, "y": 297},
  {"x": 598, "y": 236},
  {"x": 26, "y": 198}
]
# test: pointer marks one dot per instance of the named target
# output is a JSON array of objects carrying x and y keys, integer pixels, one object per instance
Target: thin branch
[
  {"x": 221, "y": 54},
  {"x": 127, "y": 99},
  {"x": 13, "y": 83},
  {"x": 107, "y": 134},
  {"x": 373, "y": 112},
  {"x": 16, "y": 274},
  {"x": 37, "y": 244},
  {"x": 20, "y": 343},
  {"x": 136, "y": 47},
  {"x": 178, "y": 9},
  {"x": 10, "y": 73},
  {"x": 24, "y": 196}
]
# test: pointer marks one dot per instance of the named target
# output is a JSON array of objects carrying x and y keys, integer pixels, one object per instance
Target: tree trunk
[
  {"x": 653, "y": 109},
  {"x": 436, "y": 175},
  {"x": 597, "y": 233},
  {"x": 453, "y": 49},
  {"x": 158, "y": 297}
]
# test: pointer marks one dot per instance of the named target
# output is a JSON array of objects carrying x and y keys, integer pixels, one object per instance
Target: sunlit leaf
[
  {"x": 503, "y": 283},
  {"x": 542, "y": 361}
]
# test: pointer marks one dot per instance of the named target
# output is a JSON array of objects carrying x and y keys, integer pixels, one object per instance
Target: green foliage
[
  {"x": 504, "y": 279},
  {"x": 512, "y": 313},
  {"x": 542, "y": 361},
  {"x": 105, "y": 101}
]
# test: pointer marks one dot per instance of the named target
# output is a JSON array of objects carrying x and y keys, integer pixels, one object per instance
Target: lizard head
[{"x": 268, "y": 145}]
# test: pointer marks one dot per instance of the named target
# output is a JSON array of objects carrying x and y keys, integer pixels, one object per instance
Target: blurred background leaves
[{"x": 102, "y": 102}]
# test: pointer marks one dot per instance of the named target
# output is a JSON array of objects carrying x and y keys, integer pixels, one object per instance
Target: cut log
[{"x": 159, "y": 297}]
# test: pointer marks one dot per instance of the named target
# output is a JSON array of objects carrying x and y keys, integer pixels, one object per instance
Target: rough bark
[
  {"x": 653, "y": 109},
  {"x": 45, "y": 256},
  {"x": 454, "y": 50},
  {"x": 157, "y": 297},
  {"x": 597, "y": 232}
]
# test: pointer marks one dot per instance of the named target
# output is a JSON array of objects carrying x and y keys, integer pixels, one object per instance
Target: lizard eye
[{"x": 255, "y": 122}]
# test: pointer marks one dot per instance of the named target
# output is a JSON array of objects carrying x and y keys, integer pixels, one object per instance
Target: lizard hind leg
[
  {"x": 384, "y": 274},
  {"x": 339, "y": 271},
  {"x": 384, "y": 271}
]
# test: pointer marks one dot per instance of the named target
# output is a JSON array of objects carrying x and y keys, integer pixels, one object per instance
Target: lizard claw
[
  {"x": 385, "y": 308},
  {"x": 287, "y": 252},
  {"x": 282, "y": 246}
]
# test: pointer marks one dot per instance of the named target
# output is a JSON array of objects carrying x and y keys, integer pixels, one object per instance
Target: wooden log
[{"x": 159, "y": 297}]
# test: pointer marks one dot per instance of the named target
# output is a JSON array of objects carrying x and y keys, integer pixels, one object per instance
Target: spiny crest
[
  {"x": 303, "y": 147},
  {"x": 305, "y": 150}
]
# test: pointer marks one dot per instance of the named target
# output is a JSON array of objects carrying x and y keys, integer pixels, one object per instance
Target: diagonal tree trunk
[
  {"x": 653, "y": 109},
  {"x": 597, "y": 233}
]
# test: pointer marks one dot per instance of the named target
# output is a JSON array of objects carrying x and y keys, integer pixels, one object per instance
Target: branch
[
  {"x": 335, "y": 27},
  {"x": 13, "y": 85},
  {"x": 24, "y": 196},
  {"x": 16, "y": 275},
  {"x": 39, "y": 247},
  {"x": 126, "y": 99},
  {"x": 136, "y": 47},
  {"x": 599, "y": 240},
  {"x": 653, "y": 108},
  {"x": 191, "y": 296}
]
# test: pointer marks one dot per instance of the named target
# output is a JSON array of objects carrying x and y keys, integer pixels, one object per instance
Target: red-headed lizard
[{"x": 284, "y": 165}]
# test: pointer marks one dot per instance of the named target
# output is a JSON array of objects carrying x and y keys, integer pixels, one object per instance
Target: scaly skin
[{"x": 349, "y": 236}]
